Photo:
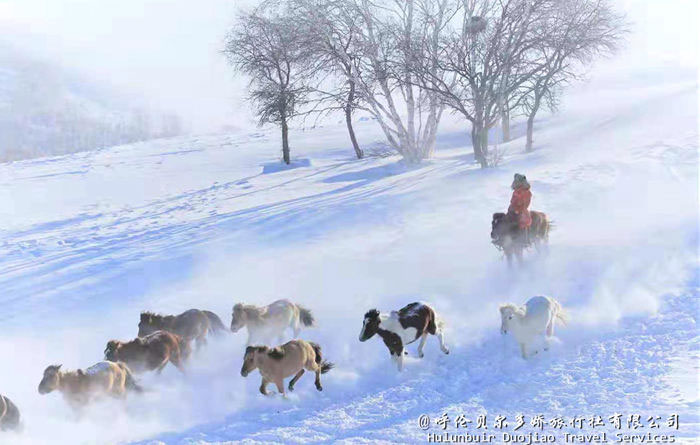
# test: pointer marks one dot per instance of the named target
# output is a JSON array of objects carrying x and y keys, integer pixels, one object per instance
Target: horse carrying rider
[{"x": 519, "y": 203}]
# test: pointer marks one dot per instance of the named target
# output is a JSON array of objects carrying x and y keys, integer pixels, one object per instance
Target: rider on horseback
[{"x": 517, "y": 211}]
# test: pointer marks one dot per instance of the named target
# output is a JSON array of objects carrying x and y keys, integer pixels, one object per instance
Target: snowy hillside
[
  {"x": 91, "y": 239},
  {"x": 46, "y": 109}
]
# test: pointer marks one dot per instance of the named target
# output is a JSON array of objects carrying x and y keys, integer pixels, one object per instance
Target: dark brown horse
[
  {"x": 506, "y": 235},
  {"x": 9, "y": 415},
  {"x": 190, "y": 325},
  {"x": 151, "y": 352}
]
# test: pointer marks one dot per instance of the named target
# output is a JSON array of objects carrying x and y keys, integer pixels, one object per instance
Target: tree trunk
[
  {"x": 480, "y": 144},
  {"x": 348, "y": 121},
  {"x": 531, "y": 121},
  {"x": 505, "y": 125},
  {"x": 285, "y": 141}
]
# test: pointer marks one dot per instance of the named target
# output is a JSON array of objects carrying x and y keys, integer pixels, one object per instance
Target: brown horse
[
  {"x": 81, "y": 387},
  {"x": 191, "y": 324},
  {"x": 506, "y": 235},
  {"x": 292, "y": 358},
  {"x": 9, "y": 415},
  {"x": 151, "y": 352}
]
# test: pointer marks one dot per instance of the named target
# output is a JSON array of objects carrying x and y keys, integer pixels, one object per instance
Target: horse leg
[
  {"x": 279, "y": 383},
  {"x": 263, "y": 386},
  {"x": 394, "y": 359},
  {"x": 162, "y": 365},
  {"x": 317, "y": 382},
  {"x": 201, "y": 341},
  {"x": 176, "y": 360},
  {"x": 523, "y": 351},
  {"x": 423, "y": 338},
  {"x": 294, "y": 379},
  {"x": 443, "y": 347},
  {"x": 295, "y": 324}
]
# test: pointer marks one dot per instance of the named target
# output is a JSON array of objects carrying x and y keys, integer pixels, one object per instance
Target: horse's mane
[
  {"x": 153, "y": 316},
  {"x": 513, "y": 307},
  {"x": 372, "y": 313},
  {"x": 276, "y": 353},
  {"x": 251, "y": 311}
]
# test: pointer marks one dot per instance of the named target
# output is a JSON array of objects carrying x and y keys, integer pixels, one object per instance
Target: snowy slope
[{"x": 91, "y": 239}]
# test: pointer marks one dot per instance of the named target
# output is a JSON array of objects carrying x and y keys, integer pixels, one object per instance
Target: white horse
[
  {"x": 267, "y": 323},
  {"x": 535, "y": 318}
]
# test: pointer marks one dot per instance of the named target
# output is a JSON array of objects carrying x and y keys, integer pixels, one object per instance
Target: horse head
[
  {"x": 370, "y": 325},
  {"x": 148, "y": 324},
  {"x": 111, "y": 350},
  {"x": 249, "y": 359},
  {"x": 51, "y": 379},
  {"x": 238, "y": 317},
  {"x": 497, "y": 225},
  {"x": 507, "y": 313}
]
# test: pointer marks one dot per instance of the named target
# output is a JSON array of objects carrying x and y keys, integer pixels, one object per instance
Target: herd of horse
[{"x": 164, "y": 339}]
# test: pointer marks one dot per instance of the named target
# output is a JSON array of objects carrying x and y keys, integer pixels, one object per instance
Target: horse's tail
[
  {"x": 559, "y": 313},
  {"x": 440, "y": 325},
  {"x": 130, "y": 382},
  {"x": 548, "y": 225},
  {"x": 325, "y": 365},
  {"x": 216, "y": 326},
  {"x": 305, "y": 316},
  {"x": 435, "y": 324}
]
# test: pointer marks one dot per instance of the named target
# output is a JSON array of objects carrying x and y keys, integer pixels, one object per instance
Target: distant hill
[{"x": 46, "y": 110}]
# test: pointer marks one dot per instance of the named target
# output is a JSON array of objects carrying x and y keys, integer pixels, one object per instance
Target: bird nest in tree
[{"x": 476, "y": 24}]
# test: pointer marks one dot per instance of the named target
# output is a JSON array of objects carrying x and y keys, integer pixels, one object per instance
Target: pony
[
  {"x": 537, "y": 317},
  {"x": 9, "y": 415},
  {"x": 507, "y": 236},
  {"x": 292, "y": 358},
  {"x": 403, "y": 327},
  {"x": 266, "y": 323},
  {"x": 81, "y": 387},
  {"x": 191, "y": 324},
  {"x": 151, "y": 352}
]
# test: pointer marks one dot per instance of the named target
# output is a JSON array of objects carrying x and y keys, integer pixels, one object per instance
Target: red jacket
[{"x": 519, "y": 204}]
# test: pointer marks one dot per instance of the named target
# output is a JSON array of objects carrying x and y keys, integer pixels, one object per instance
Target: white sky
[{"x": 169, "y": 50}]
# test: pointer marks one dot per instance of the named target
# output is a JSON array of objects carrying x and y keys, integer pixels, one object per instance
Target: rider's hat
[{"x": 520, "y": 181}]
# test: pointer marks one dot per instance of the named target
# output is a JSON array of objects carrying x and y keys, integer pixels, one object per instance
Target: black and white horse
[{"x": 403, "y": 327}]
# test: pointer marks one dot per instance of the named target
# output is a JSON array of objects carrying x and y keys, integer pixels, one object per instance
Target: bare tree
[
  {"x": 509, "y": 55},
  {"x": 389, "y": 37},
  {"x": 572, "y": 35},
  {"x": 486, "y": 51},
  {"x": 265, "y": 45},
  {"x": 331, "y": 39}
]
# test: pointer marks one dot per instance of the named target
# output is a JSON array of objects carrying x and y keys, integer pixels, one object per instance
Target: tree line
[
  {"x": 407, "y": 62},
  {"x": 46, "y": 110}
]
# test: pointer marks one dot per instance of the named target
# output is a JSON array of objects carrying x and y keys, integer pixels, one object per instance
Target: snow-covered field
[{"x": 89, "y": 240}]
